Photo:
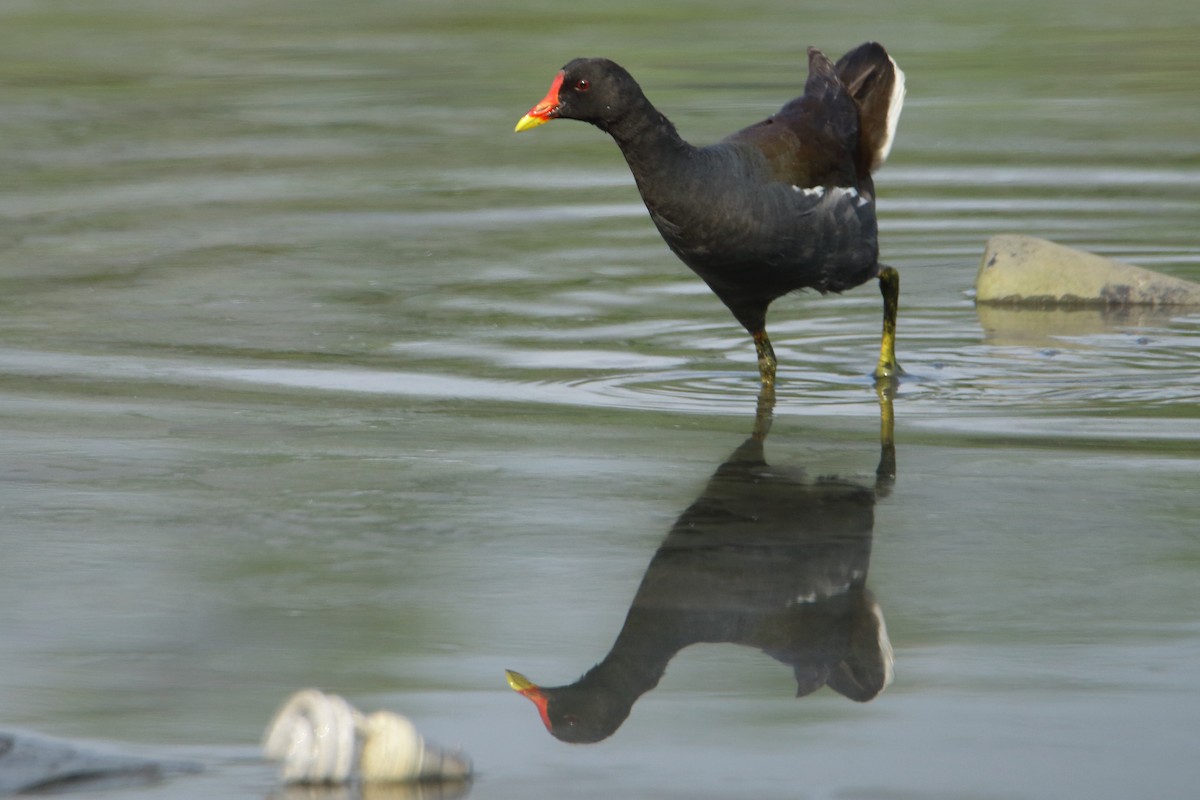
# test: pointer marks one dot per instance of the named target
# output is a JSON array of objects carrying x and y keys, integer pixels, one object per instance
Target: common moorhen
[{"x": 782, "y": 205}]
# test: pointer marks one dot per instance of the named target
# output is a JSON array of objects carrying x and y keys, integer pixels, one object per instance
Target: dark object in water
[{"x": 35, "y": 763}]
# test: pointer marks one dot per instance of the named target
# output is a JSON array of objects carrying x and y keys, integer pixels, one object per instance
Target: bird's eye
[{"x": 582, "y": 85}]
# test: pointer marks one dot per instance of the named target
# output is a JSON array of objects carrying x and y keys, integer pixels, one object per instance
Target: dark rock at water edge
[{"x": 34, "y": 763}]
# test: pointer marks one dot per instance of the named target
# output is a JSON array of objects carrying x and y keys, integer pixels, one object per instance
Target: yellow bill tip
[
  {"x": 518, "y": 682},
  {"x": 530, "y": 121}
]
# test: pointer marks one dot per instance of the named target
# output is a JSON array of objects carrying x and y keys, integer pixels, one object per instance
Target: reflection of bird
[
  {"x": 763, "y": 558},
  {"x": 785, "y": 204}
]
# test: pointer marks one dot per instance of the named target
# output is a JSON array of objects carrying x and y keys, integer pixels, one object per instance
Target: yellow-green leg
[
  {"x": 889, "y": 287},
  {"x": 764, "y": 412},
  {"x": 885, "y": 473},
  {"x": 766, "y": 357}
]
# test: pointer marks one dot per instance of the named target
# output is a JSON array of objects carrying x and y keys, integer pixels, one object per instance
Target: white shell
[
  {"x": 313, "y": 734},
  {"x": 321, "y": 738}
]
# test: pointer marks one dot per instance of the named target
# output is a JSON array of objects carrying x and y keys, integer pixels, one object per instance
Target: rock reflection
[
  {"x": 1059, "y": 327},
  {"x": 766, "y": 558}
]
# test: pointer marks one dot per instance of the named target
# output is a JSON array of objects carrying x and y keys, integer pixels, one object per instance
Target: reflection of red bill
[{"x": 516, "y": 680}]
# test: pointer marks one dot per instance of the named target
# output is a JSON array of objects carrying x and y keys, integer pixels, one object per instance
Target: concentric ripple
[{"x": 958, "y": 363}]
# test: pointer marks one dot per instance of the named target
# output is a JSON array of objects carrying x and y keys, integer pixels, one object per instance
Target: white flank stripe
[
  {"x": 835, "y": 194},
  {"x": 850, "y": 191}
]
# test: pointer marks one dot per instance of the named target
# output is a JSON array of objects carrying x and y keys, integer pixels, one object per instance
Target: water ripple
[{"x": 1037, "y": 363}]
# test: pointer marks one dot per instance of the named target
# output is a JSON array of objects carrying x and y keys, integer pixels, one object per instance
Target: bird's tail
[{"x": 877, "y": 85}]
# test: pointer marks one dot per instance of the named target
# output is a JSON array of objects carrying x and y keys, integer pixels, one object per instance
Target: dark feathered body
[{"x": 785, "y": 204}]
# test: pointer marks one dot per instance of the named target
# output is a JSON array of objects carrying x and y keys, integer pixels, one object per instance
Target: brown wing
[
  {"x": 840, "y": 130},
  {"x": 812, "y": 140}
]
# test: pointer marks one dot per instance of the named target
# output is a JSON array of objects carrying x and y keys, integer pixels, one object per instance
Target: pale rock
[{"x": 1027, "y": 271}]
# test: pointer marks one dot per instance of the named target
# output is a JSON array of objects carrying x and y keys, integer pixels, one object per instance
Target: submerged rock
[{"x": 1027, "y": 271}]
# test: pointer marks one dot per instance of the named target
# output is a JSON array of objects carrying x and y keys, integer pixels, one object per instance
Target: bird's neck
[
  {"x": 637, "y": 660},
  {"x": 649, "y": 142}
]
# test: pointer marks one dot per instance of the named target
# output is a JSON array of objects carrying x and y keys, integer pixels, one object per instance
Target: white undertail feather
[
  {"x": 885, "y": 647},
  {"x": 895, "y": 103}
]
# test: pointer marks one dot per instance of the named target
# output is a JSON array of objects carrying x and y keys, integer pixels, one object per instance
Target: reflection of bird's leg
[
  {"x": 764, "y": 412},
  {"x": 889, "y": 287},
  {"x": 766, "y": 357},
  {"x": 885, "y": 473}
]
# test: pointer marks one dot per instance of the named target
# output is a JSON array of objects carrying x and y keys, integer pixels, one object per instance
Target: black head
[{"x": 593, "y": 90}]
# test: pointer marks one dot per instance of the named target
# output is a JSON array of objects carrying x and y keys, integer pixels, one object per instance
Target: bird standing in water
[{"x": 785, "y": 204}]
